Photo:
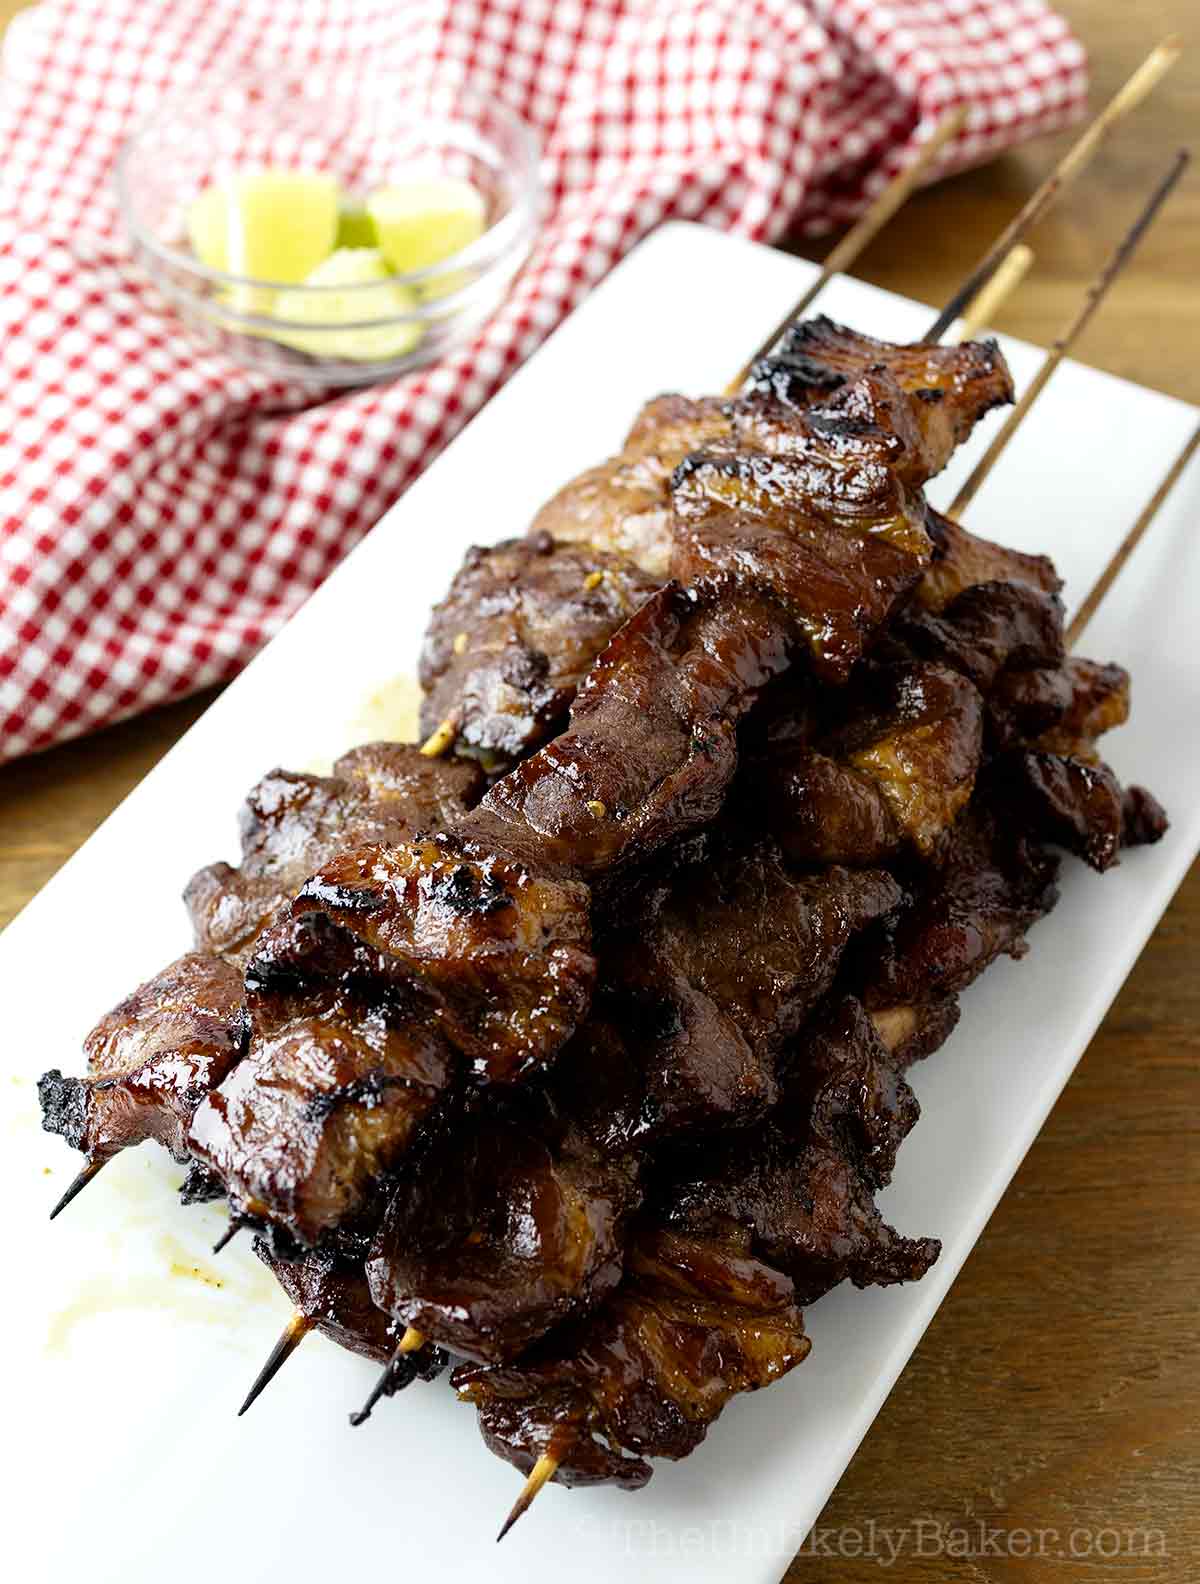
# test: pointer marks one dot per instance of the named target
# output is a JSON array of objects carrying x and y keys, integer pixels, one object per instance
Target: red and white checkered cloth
[{"x": 162, "y": 511}]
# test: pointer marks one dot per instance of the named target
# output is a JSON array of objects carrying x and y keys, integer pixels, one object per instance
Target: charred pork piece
[
  {"x": 333, "y": 1297},
  {"x": 742, "y": 1230},
  {"x": 1065, "y": 802},
  {"x": 509, "y": 645},
  {"x": 291, "y": 823},
  {"x": 696, "y": 1323},
  {"x": 804, "y": 1197},
  {"x": 895, "y": 773},
  {"x": 778, "y": 556},
  {"x": 150, "y": 1061},
  {"x": 498, "y": 1229},
  {"x": 397, "y": 968},
  {"x": 912, "y": 1031},
  {"x": 498, "y": 1233},
  {"x": 1061, "y": 709},
  {"x": 985, "y": 630},
  {"x": 993, "y": 886},
  {"x": 497, "y": 957},
  {"x": 950, "y": 387},
  {"x": 702, "y": 989},
  {"x": 1143, "y": 818},
  {"x": 843, "y": 1086},
  {"x": 962, "y": 559},
  {"x": 332, "y": 1091},
  {"x": 623, "y": 507}
]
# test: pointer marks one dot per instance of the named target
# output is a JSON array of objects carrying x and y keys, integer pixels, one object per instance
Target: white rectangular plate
[{"x": 128, "y": 1347}]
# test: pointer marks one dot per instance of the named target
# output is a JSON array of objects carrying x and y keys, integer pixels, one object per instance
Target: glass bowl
[{"x": 366, "y": 134}]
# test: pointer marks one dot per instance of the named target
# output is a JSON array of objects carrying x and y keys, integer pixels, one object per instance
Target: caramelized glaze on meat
[
  {"x": 291, "y": 823},
  {"x": 150, "y": 1061},
  {"x": 509, "y": 645},
  {"x": 702, "y": 988},
  {"x": 499, "y": 1232},
  {"x": 948, "y": 387},
  {"x": 895, "y": 770}
]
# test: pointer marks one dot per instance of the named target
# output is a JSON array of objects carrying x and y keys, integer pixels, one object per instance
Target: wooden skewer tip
[
  {"x": 294, "y": 1333},
  {"x": 540, "y": 1474},
  {"x": 441, "y": 739},
  {"x": 411, "y": 1342},
  {"x": 982, "y": 309},
  {"x": 78, "y": 1185},
  {"x": 227, "y": 1237}
]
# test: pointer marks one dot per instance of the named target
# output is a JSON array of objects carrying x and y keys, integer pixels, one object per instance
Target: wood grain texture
[{"x": 1059, "y": 1386}]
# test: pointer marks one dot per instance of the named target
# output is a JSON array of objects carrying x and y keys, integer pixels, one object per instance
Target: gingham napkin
[{"x": 163, "y": 511}]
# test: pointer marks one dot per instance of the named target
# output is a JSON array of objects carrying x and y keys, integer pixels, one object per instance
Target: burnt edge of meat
[{"x": 64, "y": 1106}]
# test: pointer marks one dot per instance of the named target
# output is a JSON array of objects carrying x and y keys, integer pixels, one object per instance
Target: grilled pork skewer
[
  {"x": 159, "y": 1052},
  {"x": 461, "y": 955}
]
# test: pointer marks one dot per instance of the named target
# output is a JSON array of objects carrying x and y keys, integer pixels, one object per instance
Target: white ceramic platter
[{"x": 128, "y": 1348}]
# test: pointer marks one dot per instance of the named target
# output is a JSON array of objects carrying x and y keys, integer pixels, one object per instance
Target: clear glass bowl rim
[{"x": 486, "y": 250}]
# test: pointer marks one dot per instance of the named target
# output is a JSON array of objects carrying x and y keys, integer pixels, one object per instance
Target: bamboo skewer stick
[
  {"x": 983, "y": 308},
  {"x": 411, "y": 1342},
  {"x": 294, "y": 1333},
  {"x": 1149, "y": 73},
  {"x": 1131, "y": 540},
  {"x": 861, "y": 234},
  {"x": 227, "y": 1237},
  {"x": 540, "y": 1474},
  {"x": 1070, "y": 333},
  {"x": 78, "y": 1185}
]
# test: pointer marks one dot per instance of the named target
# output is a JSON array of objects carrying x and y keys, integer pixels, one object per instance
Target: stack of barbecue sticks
[{"x": 572, "y": 1043}]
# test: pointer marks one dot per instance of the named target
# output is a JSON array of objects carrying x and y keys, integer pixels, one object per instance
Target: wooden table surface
[{"x": 1059, "y": 1387}]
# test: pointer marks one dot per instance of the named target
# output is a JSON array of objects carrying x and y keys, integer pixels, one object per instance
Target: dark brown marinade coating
[
  {"x": 333, "y": 1088},
  {"x": 506, "y": 1223},
  {"x": 993, "y": 886},
  {"x": 962, "y": 559},
  {"x": 1067, "y": 803},
  {"x": 507, "y": 648},
  {"x": 987, "y": 629},
  {"x": 807, "y": 552},
  {"x": 696, "y": 1323},
  {"x": 705, "y": 1311},
  {"x": 496, "y": 956},
  {"x": 291, "y": 823},
  {"x": 894, "y": 770},
  {"x": 802, "y": 1185},
  {"x": 624, "y": 504},
  {"x": 150, "y": 1061},
  {"x": 951, "y": 386},
  {"x": 701, "y": 988},
  {"x": 1143, "y": 818},
  {"x": 395, "y": 969},
  {"x": 499, "y": 1230}
]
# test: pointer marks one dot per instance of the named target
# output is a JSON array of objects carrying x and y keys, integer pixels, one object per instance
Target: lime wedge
[
  {"x": 367, "y": 294},
  {"x": 423, "y": 222},
  {"x": 271, "y": 224},
  {"x": 355, "y": 229}
]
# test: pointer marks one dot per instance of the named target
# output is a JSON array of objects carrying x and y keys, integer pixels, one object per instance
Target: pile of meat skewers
[{"x": 573, "y": 1043}]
